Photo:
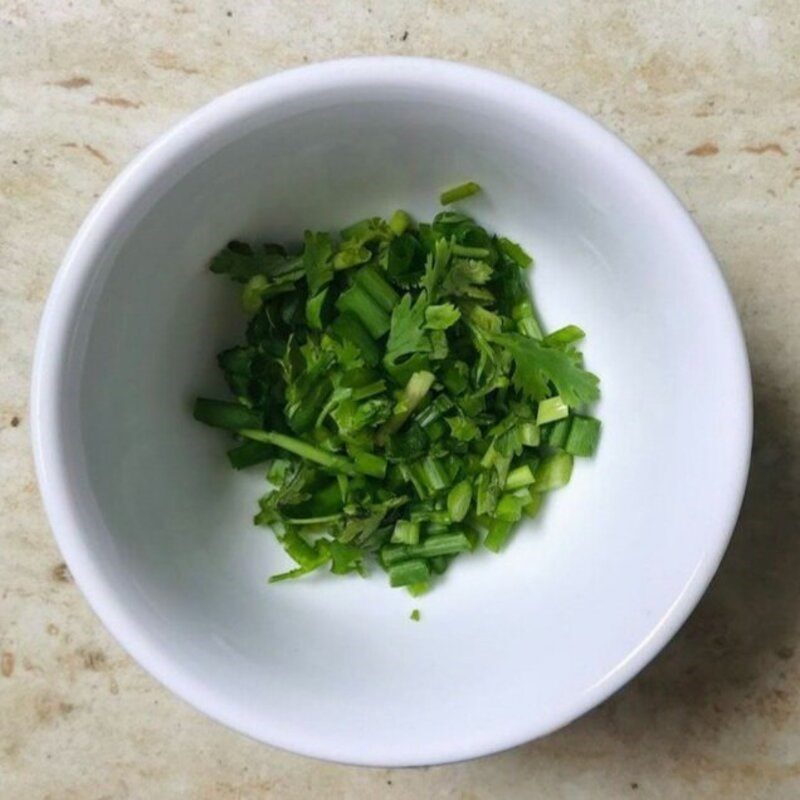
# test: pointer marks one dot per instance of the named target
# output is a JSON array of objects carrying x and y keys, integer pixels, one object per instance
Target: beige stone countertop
[{"x": 708, "y": 92}]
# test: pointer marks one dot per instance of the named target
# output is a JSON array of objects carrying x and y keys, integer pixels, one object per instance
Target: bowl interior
[{"x": 509, "y": 646}]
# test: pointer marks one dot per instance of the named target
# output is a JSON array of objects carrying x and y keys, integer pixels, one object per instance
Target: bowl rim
[{"x": 63, "y": 307}]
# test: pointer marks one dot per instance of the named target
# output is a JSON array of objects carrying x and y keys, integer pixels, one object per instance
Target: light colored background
[{"x": 708, "y": 92}]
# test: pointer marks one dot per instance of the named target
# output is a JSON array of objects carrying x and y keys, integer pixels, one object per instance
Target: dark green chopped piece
[
  {"x": 221, "y": 414},
  {"x": 250, "y": 453}
]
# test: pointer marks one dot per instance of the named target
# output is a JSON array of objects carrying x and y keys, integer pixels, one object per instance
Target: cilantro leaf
[
  {"x": 536, "y": 364},
  {"x": 407, "y": 333},
  {"x": 241, "y": 262},
  {"x": 466, "y": 277},
  {"x": 317, "y": 260},
  {"x": 436, "y": 266},
  {"x": 439, "y": 318}
]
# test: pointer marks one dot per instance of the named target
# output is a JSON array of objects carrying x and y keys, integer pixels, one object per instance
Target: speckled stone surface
[{"x": 708, "y": 92}]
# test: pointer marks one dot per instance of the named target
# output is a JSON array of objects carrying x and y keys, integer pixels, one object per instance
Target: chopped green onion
[
  {"x": 442, "y": 544},
  {"x": 301, "y": 551},
  {"x": 519, "y": 477},
  {"x": 533, "y": 504},
  {"x": 369, "y": 463},
  {"x": 564, "y": 336},
  {"x": 220, "y": 414},
  {"x": 405, "y": 532},
  {"x": 372, "y": 315},
  {"x": 377, "y": 288},
  {"x": 525, "y": 318},
  {"x": 302, "y": 449},
  {"x": 417, "y": 387},
  {"x": 399, "y": 222},
  {"x": 429, "y": 515},
  {"x": 554, "y": 472},
  {"x": 415, "y": 615},
  {"x": 551, "y": 409},
  {"x": 583, "y": 436},
  {"x": 435, "y": 528},
  {"x": 393, "y": 554},
  {"x": 497, "y": 536},
  {"x": 509, "y": 508},
  {"x": 469, "y": 252},
  {"x": 408, "y": 573},
  {"x": 460, "y": 192},
  {"x": 349, "y": 328},
  {"x": 432, "y": 474},
  {"x": 458, "y": 500},
  {"x": 364, "y": 392},
  {"x": 529, "y": 434},
  {"x": 487, "y": 495},
  {"x": 556, "y": 434},
  {"x": 253, "y": 293},
  {"x": 513, "y": 251}
]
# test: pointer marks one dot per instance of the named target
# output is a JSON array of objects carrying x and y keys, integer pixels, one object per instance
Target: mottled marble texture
[{"x": 708, "y": 92}]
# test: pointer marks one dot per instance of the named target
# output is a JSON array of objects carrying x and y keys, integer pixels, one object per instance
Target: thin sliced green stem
[
  {"x": 221, "y": 414},
  {"x": 303, "y": 449},
  {"x": 469, "y": 252}
]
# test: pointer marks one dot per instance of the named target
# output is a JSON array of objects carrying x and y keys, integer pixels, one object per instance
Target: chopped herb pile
[{"x": 400, "y": 392}]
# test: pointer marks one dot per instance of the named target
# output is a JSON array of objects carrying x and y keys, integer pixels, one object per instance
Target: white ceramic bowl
[{"x": 156, "y": 528}]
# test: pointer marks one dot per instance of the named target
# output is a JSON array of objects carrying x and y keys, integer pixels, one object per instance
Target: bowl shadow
[{"x": 736, "y": 659}]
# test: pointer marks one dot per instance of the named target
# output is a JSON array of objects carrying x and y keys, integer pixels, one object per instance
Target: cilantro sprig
[{"x": 397, "y": 386}]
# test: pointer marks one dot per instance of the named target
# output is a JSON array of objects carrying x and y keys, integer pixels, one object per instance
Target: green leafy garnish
[
  {"x": 537, "y": 366},
  {"x": 399, "y": 392}
]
